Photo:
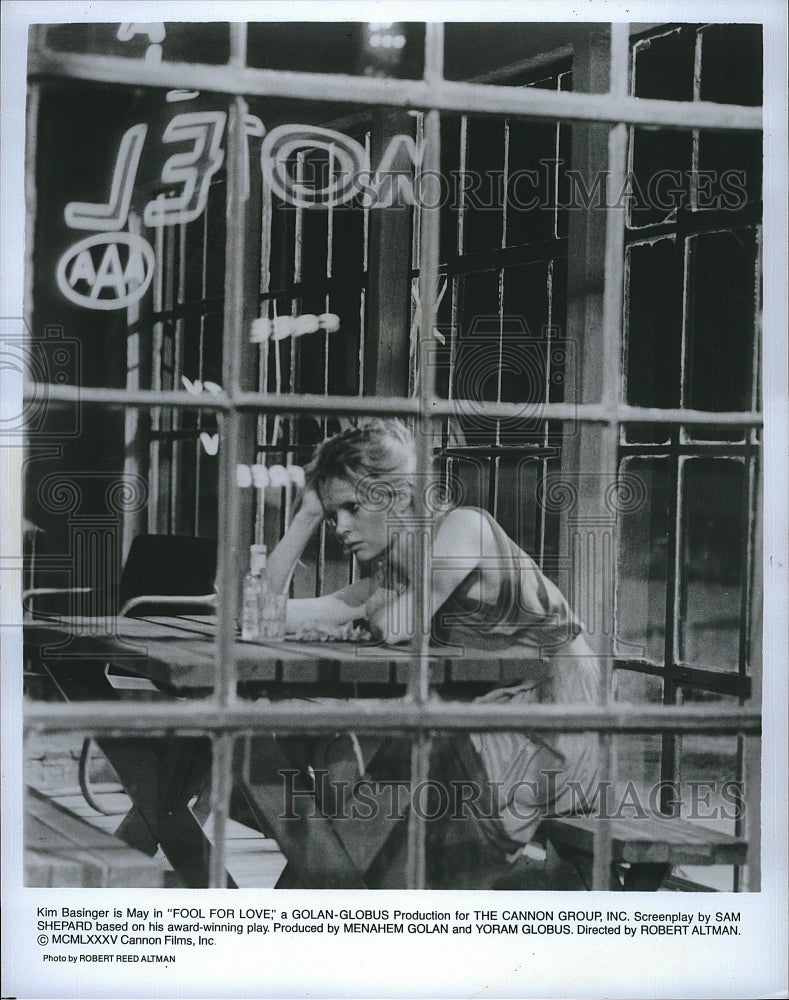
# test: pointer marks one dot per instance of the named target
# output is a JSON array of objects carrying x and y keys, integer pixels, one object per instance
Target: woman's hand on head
[
  {"x": 311, "y": 505},
  {"x": 287, "y": 552}
]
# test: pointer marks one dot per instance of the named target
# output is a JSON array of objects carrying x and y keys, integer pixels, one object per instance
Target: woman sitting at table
[{"x": 487, "y": 594}]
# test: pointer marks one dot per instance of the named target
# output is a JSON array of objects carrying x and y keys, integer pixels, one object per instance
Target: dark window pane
[
  {"x": 361, "y": 49},
  {"x": 450, "y": 169},
  {"x": 202, "y": 42},
  {"x": 485, "y": 170},
  {"x": 474, "y": 49},
  {"x": 731, "y": 73},
  {"x": 721, "y": 322},
  {"x": 664, "y": 66},
  {"x": 479, "y": 307},
  {"x": 643, "y": 554},
  {"x": 314, "y": 243},
  {"x": 524, "y": 335},
  {"x": 348, "y": 239},
  {"x": 731, "y": 64},
  {"x": 478, "y": 360},
  {"x": 476, "y": 370},
  {"x": 344, "y": 344},
  {"x": 538, "y": 524},
  {"x": 470, "y": 478},
  {"x": 214, "y": 234},
  {"x": 283, "y": 243},
  {"x": 532, "y": 178},
  {"x": 660, "y": 183},
  {"x": 730, "y": 171},
  {"x": 713, "y": 531},
  {"x": 654, "y": 330},
  {"x": 663, "y": 69},
  {"x": 514, "y": 511}
]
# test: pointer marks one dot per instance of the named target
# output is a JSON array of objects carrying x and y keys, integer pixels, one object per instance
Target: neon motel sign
[{"x": 113, "y": 268}]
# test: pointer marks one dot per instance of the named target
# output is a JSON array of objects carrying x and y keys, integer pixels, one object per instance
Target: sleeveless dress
[{"x": 532, "y": 776}]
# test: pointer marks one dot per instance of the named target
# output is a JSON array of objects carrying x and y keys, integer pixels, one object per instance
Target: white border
[{"x": 754, "y": 965}]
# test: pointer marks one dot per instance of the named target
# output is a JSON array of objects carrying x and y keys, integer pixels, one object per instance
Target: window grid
[
  {"x": 224, "y": 717},
  {"x": 292, "y": 290},
  {"x": 684, "y": 228},
  {"x": 460, "y": 264},
  {"x": 177, "y": 473}
]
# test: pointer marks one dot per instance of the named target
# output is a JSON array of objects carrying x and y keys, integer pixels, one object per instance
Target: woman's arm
[
  {"x": 333, "y": 609},
  {"x": 460, "y": 544},
  {"x": 282, "y": 561}
]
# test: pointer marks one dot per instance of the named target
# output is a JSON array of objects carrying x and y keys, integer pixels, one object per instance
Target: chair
[
  {"x": 172, "y": 574},
  {"x": 172, "y": 571},
  {"x": 175, "y": 572}
]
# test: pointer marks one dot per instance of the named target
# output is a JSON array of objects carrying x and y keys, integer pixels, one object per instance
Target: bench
[
  {"x": 649, "y": 847},
  {"x": 62, "y": 850}
]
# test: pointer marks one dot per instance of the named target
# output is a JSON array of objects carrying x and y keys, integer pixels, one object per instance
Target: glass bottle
[
  {"x": 250, "y": 597},
  {"x": 272, "y": 610}
]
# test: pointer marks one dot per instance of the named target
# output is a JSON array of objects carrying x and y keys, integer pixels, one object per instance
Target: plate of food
[{"x": 356, "y": 631}]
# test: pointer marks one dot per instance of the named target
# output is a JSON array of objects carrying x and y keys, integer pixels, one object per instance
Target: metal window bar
[
  {"x": 715, "y": 681},
  {"x": 418, "y": 686},
  {"x": 441, "y": 96},
  {"x": 165, "y": 362},
  {"x": 381, "y": 716},
  {"x": 176, "y": 501},
  {"x": 392, "y": 406},
  {"x": 225, "y": 717},
  {"x": 225, "y": 678},
  {"x": 136, "y": 453},
  {"x": 225, "y": 663},
  {"x": 156, "y": 412},
  {"x": 201, "y": 356},
  {"x": 613, "y": 311}
]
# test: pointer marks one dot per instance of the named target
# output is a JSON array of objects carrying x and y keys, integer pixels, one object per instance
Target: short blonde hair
[{"x": 373, "y": 448}]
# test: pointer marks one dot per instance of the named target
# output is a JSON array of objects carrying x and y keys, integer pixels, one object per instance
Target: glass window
[{"x": 288, "y": 258}]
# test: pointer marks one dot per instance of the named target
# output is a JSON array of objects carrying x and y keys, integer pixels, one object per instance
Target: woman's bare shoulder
[{"x": 465, "y": 530}]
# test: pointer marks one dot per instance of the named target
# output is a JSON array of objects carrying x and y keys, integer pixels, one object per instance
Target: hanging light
[{"x": 384, "y": 42}]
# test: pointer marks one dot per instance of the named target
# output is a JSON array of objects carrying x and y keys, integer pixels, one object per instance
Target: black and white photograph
[{"x": 394, "y": 500}]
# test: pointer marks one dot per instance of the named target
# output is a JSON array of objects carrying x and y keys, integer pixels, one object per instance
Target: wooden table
[
  {"x": 162, "y": 776},
  {"x": 177, "y": 655}
]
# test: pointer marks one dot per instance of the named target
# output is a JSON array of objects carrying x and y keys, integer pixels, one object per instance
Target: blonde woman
[{"x": 488, "y": 595}]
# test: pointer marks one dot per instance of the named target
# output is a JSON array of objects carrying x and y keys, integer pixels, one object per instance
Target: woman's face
[{"x": 361, "y": 525}]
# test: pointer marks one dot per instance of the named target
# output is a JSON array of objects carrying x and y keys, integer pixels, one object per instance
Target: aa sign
[
  {"x": 125, "y": 280},
  {"x": 113, "y": 269}
]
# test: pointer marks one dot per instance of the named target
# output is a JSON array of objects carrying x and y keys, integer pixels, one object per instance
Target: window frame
[{"x": 603, "y": 115}]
